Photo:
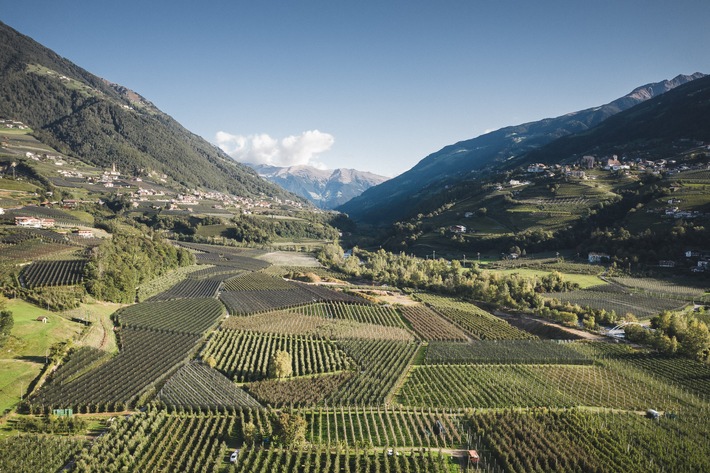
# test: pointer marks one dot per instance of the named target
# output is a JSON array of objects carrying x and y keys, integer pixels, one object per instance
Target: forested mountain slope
[{"x": 101, "y": 123}]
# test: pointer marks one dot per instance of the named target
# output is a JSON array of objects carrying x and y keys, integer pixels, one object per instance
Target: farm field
[
  {"x": 529, "y": 386},
  {"x": 244, "y": 356},
  {"x": 504, "y": 352},
  {"x": 291, "y": 322},
  {"x": 474, "y": 321},
  {"x": 664, "y": 288},
  {"x": 52, "y": 273},
  {"x": 584, "y": 280},
  {"x": 641, "y": 305},
  {"x": 23, "y": 357},
  {"x": 429, "y": 325},
  {"x": 380, "y": 387}
]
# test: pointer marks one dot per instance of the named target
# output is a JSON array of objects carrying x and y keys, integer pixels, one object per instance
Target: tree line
[{"x": 675, "y": 333}]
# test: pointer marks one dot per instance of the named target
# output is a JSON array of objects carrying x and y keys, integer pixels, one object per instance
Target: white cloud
[{"x": 263, "y": 149}]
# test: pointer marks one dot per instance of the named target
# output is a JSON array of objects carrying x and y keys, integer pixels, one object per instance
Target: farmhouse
[
  {"x": 457, "y": 229},
  {"x": 597, "y": 257},
  {"x": 34, "y": 222},
  {"x": 537, "y": 167}
]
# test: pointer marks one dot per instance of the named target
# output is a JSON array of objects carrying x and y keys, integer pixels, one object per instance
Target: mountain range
[
  {"x": 326, "y": 188},
  {"x": 401, "y": 196}
]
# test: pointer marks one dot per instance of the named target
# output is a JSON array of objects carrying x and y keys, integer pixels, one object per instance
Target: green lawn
[{"x": 22, "y": 357}]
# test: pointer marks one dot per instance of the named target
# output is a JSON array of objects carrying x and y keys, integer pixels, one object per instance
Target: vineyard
[
  {"x": 429, "y": 325},
  {"x": 257, "y": 282},
  {"x": 381, "y": 364},
  {"x": 607, "y": 298},
  {"x": 165, "y": 282},
  {"x": 380, "y": 388},
  {"x": 504, "y": 352},
  {"x": 145, "y": 357},
  {"x": 662, "y": 288},
  {"x": 243, "y": 263},
  {"x": 254, "y": 301},
  {"x": 190, "y": 316},
  {"x": 576, "y": 440},
  {"x": 292, "y": 322},
  {"x": 506, "y": 386},
  {"x": 473, "y": 320},
  {"x": 33, "y": 250},
  {"x": 190, "y": 289},
  {"x": 299, "y": 392},
  {"x": 244, "y": 356},
  {"x": 370, "y": 427},
  {"x": 198, "y": 386},
  {"x": 160, "y": 442},
  {"x": 53, "y": 273},
  {"x": 365, "y": 314}
]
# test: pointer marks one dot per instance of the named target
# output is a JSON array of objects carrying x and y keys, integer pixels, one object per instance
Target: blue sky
[{"x": 372, "y": 85}]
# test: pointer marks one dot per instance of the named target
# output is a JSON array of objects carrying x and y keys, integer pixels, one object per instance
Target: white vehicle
[{"x": 233, "y": 457}]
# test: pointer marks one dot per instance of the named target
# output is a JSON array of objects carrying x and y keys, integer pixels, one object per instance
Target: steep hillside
[
  {"x": 400, "y": 196},
  {"x": 654, "y": 127},
  {"x": 635, "y": 187},
  {"x": 326, "y": 188},
  {"x": 102, "y": 123}
]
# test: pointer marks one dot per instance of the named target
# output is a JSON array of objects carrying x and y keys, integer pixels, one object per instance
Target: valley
[{"x": 541, "y": 306}]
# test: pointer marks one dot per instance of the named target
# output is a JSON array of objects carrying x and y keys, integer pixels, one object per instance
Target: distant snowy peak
[{"x": 326, "y": 188}]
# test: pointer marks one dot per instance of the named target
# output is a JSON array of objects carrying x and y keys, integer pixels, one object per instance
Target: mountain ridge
[{"x": 326, "y": 188}]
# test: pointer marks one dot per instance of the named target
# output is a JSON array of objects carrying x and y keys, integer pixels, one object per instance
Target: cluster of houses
[
  {"x": 13, "y": 124},
  {"x": 34, "y": 222},
  {"x": 700, "y": 258},
  {"x": 675, "y": 212},
  {"x": 57, "y": 159},
  {"x": 107, "y": 178},
  {"x": 40, "y": 222},
  {"x": 553, "y": 170},
  {"x": 609, "y": 163}
]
